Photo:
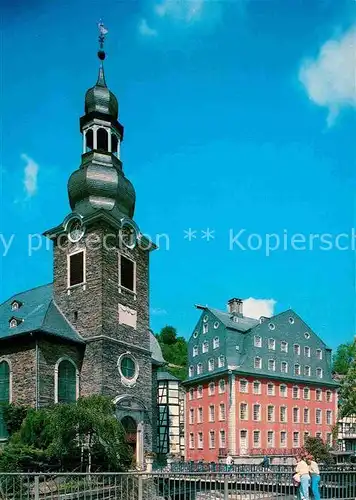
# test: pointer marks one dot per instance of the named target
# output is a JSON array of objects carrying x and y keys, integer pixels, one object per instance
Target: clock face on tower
[
  {"x": 75, "y": 229},
  {"x": 128, "y": 234}
]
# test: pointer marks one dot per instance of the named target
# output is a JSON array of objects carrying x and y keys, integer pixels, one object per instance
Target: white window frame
[
  {"x": 273, "y": 369},
  {"x": 307, "y": 371},
  {"x": 199, "y": 368},
  {"x": 222, "y": 442},
  {"x": 199, "y": 392},
  {"x": 321, "y": 416},
  {"x": 296, "y": 413},
  {"x": 212, "y": 442},
  {"x": 211, "y": 364},
  {"x": 246, "y": 385},
  {"x": 273, "y": 393},
  {"x": 220, "y": 390},
  {"x": 56, "y": 384},
  {"x": 259, "y": 387},
  {"x": 205, "y": 328},
  {"x": 255, "y": 431},
  {"x": 259, "y": 412},
  {"x": 259, "y": 367},
  {"x": 319, "y": 354},
  {"x": 273, "y": 413},
  {"x": 243, "y": 419},
  {"x": 281, "y": 443},
  {"x": 286, "y": 414},
  {"x": 284, "y": 364},
  {"x": 284, "y": 346},
  {"x": 7, "y": 360},
  {"x": 69, "y": 255},
  {"x": 211, "y": 389},
  {"x": 297, "y": 370},
  {"x": 272, "y": 344},
  {"x": 191, "y": 416},
  {"x": 318, "y": 391},
  {"x": 296, "y": 445},
  {"x": 191, "y": 371},
  {"x": 205, "y": 347},
  {"x": 328, "y": 413},
  {"x": 221, "y": 361},
  {"x": 296, "y": 349},
  {"x": 307, "y": 351},
  {"x": 270, "y": 446},
  {"x": 330, "y": 399},
  {"x": 319, "y": 370},
  {"x": 222, "y": 415},
  {"x": 211, "y": 416},
  {"x": 195, "y": 351},
  {"x": 121, "y": 287},
  {"x": 191, "y": 441},
  {"x": 306, "y": 421},
  {"x": 216, "y": 343},
  {"x": 257, "y": 341},
  {"x": 286, "y": 390},
  {"x": 191, "y": 394},
  {"x": 298, "y": 389},
  {"x": 200, "y": 440}
]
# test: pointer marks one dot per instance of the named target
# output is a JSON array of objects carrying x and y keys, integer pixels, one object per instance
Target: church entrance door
[{"x": 130, "y": 427}]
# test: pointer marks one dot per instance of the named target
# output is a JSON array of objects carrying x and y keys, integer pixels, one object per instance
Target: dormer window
[
  {"x": 235, "y": 319},
  {"x": 15, "y": 305},
  {"x": 271, "y": 326},
  {"x": 14, "y": 322}
]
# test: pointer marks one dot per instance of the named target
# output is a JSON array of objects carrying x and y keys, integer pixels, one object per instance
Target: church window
[
  {"x": 114, "y": 144},
  {"x": 307, "y": 335},
  {"x": 291, "y": 320},
  {"x": 89, "y": 140},
  {"x": 271, "y": 326},
  {"x": 4, "y": 395},
  {"x": 15, "y": 305},
  {"x": 127, "y": 273},
  {"x": 67, "y": 382},
  {"x": 76, "y": 268},
  {"x": 13, "y": 323},
  {"x": 128, "y": 367},
  {"x": 216, "y": 324}
]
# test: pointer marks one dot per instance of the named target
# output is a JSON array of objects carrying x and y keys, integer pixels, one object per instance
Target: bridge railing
[
  {"x": 192, "y": 467},
  {"x": 170, "y": 486}
]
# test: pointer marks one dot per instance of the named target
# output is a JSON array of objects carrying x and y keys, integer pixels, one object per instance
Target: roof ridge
[{"x": 25, "y": 291}]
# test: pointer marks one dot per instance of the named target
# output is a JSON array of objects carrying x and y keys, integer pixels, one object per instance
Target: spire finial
[
  {"x": 102, "y": 32},
  {"x": 101, "y": 53}
]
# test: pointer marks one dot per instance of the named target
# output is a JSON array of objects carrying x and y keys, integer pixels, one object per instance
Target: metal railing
[
  {"x": 169, "y": 486},
  {"x": 190, "y": 467}
]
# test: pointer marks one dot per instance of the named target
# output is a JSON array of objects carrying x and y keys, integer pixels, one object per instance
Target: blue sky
[{"x": 238, "y": 115}]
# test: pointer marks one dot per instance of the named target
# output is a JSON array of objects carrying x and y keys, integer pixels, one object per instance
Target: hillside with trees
[{"x": 174, "y": 350}]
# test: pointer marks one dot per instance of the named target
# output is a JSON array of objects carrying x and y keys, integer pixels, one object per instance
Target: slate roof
[
  {"x": 166, "y": 376},
  {"x": 38, "y": 312},
  {"x": 236, "y": 344},
  {"x": 242, "y": 325}
]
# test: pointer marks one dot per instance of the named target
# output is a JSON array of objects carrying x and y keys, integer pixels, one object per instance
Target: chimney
[{"x": 235, "y": 306}]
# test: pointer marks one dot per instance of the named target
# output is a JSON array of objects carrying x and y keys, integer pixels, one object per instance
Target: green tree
[
  {"x": 344, "y": 356},
  {"x": 347, "y": 393},
  {"x": 168, "y": 335},
  {"x": 316, "y": 447},
  {"x": 84, "y": 434}
]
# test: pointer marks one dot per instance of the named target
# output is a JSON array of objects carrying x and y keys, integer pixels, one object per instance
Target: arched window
[
  {"x": 89, "y": 140},
  {"x": 102, "y": 139},
  {"x": 66, "y": 382},
  {"x": 4, "y": 394}
]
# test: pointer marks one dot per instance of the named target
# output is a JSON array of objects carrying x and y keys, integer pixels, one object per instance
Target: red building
[{"x": 256, "y": 387}]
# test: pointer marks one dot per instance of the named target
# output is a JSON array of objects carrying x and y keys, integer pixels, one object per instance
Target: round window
[
  {"x": 216, "y": 324},
  {"x": 291, "y": 320},
  {"x": 271, "y": 326},
  {"x": 128, "y": 367},
  {"x": 195, "y": 335},
  {"x": 307, "y": 335},
  {"x": 205, "y": 319}
]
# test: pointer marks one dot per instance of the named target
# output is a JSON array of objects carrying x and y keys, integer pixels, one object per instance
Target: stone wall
[
  {"x": 22, "y": 360},
  {"x": 49, "y": 352}
]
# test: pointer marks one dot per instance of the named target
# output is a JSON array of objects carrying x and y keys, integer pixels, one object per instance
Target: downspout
[{"x": 36, "y": 370}]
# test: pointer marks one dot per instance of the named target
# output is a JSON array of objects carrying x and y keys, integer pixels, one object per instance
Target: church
[{"x": 88, "y": 331}]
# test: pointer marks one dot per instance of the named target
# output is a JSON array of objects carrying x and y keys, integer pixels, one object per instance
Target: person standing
[
  {"x": 315, "y": 476},
  {"x": 302, "y": 469}
]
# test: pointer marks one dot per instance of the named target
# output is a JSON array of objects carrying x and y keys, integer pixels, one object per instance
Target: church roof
[{"x": 37, "y": 311}]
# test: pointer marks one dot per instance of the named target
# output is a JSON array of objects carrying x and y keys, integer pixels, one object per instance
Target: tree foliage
[
  {"x": 14, "y": 415},
  {"x": 347, "y": 394},
  {"x": 174, "y": 350},
  {"x": 345, "y": 355},
  {"x": 316, "y": 447},
  {"x": 80, "y": 436}
]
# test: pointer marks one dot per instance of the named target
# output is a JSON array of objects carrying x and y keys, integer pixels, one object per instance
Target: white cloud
[
  {"x": 156, "y": 311},
  {"x": 330, "y": 78},
  {"x": 145, "y": 30},
  {"x": 181, "y": 10},
  {"x": 30, "y": 176},
  {"x": 255, "y": 308}
]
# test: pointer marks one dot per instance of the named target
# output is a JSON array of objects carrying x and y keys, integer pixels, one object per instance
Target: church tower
[{"x": 101, "y": 266}]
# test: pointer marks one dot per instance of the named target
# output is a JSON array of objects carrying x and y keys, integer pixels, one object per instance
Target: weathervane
[{"x": 102, "y": 32}]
